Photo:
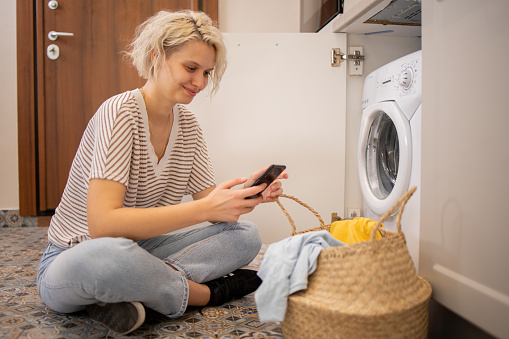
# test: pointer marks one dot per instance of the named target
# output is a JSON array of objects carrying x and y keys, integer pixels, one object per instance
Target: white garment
[{"x": 285, "y": 269}]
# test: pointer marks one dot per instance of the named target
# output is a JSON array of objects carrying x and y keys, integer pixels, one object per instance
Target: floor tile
[{"x": 23, "y": 315}]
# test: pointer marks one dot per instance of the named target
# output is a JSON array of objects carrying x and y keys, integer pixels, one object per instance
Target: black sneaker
[
  {"x": 122, "y": 317},
  {"x": 232, "y": 286}
]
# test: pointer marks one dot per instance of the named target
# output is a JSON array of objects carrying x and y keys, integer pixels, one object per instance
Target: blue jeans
[{"x": 118, "y": 269}]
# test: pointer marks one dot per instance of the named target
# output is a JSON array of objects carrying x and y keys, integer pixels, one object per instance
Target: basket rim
[{"x": 375, "y": 244}]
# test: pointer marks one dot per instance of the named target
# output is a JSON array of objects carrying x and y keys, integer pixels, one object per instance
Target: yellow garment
[{"x": 352, "y": 231}]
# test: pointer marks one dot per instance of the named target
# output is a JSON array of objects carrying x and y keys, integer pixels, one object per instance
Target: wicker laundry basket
[{"x": 363, "y": 290}]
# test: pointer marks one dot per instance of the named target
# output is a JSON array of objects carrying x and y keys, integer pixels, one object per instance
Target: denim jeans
[{"x": 118, "y": 269}]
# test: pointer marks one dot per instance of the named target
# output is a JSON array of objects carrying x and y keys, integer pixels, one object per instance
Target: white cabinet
[
  {"x": 464, "y": 232},
  {"x": 281, "y": 102}
]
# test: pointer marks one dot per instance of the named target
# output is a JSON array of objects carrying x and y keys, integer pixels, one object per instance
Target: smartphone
[{"x": 267, "y": 177}]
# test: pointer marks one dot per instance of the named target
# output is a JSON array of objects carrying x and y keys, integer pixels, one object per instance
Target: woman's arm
[
  {"x": 108, "y": 218},
  {"x": 204, "y": 193}
]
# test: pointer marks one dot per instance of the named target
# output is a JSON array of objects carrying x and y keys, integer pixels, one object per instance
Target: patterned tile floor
[{"x": 23, "y": 315}]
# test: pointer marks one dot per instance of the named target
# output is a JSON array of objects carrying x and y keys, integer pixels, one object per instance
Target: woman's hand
[
  {"x": 224, "y": 203},
  {"x": 227, "y": 204},
  {"x": 274, "y": 189}
]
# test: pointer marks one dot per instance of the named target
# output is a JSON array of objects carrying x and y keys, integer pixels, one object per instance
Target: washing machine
[{"x": 389, "y": 153}]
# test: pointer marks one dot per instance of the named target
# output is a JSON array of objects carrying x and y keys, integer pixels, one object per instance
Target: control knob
[{"x": 406, "y": 78}]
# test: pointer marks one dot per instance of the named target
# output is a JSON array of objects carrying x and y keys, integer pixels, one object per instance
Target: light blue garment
[
  {"x": 118, "y": 269},
  {"x": 285, "y": 269}
]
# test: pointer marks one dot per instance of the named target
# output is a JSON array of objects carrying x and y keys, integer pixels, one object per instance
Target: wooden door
[{"x": 89, "y": 69}]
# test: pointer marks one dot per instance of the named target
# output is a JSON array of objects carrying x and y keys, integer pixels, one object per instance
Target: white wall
[
  {"x": 259, "y": 16},
  {"x": 269, "y": 109},
  {"x": 9, "y": 196},
  {"x": 348, "y": 4},
  {"x": 310, "y": 15}
]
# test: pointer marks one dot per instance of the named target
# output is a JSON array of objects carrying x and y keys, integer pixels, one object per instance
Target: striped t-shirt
[{"x": 116, "y": 146}]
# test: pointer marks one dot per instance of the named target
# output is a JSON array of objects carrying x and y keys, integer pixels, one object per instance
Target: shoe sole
[{"x": 111, "y": 315}]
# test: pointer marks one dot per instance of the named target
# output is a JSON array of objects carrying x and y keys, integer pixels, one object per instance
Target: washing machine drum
[
  {"x": 383, "y": 161},
  {"x": 385, "y": 154}
]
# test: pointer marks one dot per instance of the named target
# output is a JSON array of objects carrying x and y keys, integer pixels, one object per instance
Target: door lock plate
[{"x": 53, "y": 51}]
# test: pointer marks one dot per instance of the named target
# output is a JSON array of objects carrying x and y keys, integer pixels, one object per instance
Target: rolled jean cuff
[{"x": 185, "y": 300}]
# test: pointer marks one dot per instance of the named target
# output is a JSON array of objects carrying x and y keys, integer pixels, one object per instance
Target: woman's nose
[{"x": 200, "y": 81}]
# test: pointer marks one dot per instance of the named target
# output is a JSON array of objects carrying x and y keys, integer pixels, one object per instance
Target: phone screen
[{"x": 268, "y": 177}]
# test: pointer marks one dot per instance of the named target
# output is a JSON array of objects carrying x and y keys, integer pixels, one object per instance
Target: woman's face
[{"x": 185, "y": 72}]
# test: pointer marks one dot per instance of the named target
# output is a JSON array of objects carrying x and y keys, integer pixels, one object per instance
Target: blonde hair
[{"x": 165, "y": 32}]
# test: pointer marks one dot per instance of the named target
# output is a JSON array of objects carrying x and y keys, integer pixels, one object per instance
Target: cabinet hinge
[{"x": 337, "y": 57}]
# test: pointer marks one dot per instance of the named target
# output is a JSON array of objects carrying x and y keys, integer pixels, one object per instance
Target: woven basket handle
[
  {"x": 402, "y": 201},
  {"x": 294, "y": 230}
]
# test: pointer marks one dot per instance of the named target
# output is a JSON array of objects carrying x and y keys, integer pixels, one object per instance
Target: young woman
[{"x": 109, "y": 247}]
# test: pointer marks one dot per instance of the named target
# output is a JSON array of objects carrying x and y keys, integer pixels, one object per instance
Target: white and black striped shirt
[{"x": 116, "y": 146}]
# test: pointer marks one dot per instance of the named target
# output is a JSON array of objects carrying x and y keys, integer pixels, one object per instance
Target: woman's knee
[
  {"x": 97, "y": 257},
  {"x": 252, "y": 239}
]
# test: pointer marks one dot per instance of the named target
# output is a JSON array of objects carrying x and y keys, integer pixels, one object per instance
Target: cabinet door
[
  {"x": 281, "y": 102},
  {"x": 464, "y": 234}
]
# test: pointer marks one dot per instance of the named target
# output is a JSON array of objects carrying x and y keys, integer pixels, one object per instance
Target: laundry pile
[{"x": 288, "y": 263}]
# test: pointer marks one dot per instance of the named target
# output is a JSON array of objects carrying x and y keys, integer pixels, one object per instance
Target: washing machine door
[{"x": 384, "y": 155}]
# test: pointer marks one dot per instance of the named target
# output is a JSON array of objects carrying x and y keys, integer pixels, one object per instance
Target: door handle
[{"x": 54, "y": 35}]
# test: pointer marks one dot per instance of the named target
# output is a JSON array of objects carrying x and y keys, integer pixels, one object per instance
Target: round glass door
[{"x": 382, "y": 156}]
